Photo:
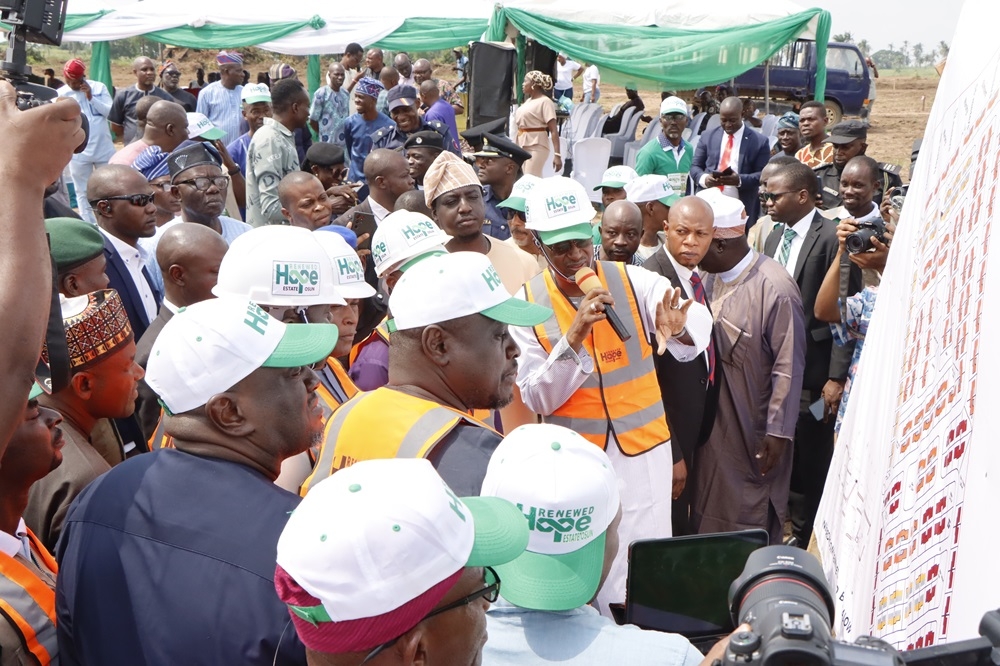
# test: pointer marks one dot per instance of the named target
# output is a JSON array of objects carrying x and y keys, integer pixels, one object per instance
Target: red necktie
[
  {"x": 699, "y": 296},
  {"x": 727, "y": 154}
]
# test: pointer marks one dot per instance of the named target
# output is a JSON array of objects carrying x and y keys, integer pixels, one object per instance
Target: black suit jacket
[
  {"x": 121, "y": 281},
  {"x": 824, "y": 360},
  {"x": 688, "y": 399},
  {"x": 147, "y": 408},
  {"x": 755, "y": 153}
]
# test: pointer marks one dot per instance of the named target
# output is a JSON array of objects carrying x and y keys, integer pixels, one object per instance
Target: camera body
[{"x": 861, "y": 240}]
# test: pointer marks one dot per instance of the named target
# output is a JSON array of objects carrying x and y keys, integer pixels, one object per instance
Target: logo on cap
[
  {"x": 295, "y": 278},
  {"x": 492, "y": 278},
  {"x": 256, "y": 318},
  {"x": 564, "y": 524},
  {"x": 418, "y": 231},
  {"x": 350, "y": 269},
  {"x": 557, "y": 206}
]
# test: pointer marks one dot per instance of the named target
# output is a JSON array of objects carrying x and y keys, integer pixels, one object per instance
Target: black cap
[
  {"x": 322, "y": 153},
  {"x": 425, "y": 139},
  {"x": 401, "y": 95},
  {"x": 474, "y": 135},
  {"x": 501, "y": 146},
  {"x": 847, "y": 131},
  {"x": 195, "y": 154}
]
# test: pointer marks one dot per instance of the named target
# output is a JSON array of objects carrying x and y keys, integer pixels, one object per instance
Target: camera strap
[{"x": 55, "y": 375}]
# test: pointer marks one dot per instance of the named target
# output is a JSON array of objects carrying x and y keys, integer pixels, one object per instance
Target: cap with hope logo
[
  {"x": 254, "y": 93},
  {"x": 449, "y": 286},
  {"x": 278, "y": 265},
  {"x": 566, "y": 488},
  {"x": 524, "y": 184},
  {"x": 209, "y": 347},
  {"x": 616, "y": 177},
  {"x": 403, "y": 236},
  {"x": 559, "y": 209},
  {"x": 200, "y": 126},
  {"x": 348, "y": 272},
  {"x": 651, "y": 188},
  {"x": 373, "y": 549}
]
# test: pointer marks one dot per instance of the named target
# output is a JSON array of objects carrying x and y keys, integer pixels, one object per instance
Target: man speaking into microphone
[{"x": 577, "y": 370}]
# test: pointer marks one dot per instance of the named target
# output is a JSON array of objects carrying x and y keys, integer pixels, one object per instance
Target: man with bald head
[
  {"x": 730, "y": 157},
  {"x": 122, "y": 114},
  {"x": 166, "y": 127},
  {"x": 689, "y": 390},
  {"x": 304, "y": 201},
  {"x": 374, "y": 62},
  {"x": 388, "y": 176},
  {"x": 189, "y": 256},
  {"x": 621, "y": 229},
  {"x": 405, "y": 68},
  {"x": 424, "y": 71}
]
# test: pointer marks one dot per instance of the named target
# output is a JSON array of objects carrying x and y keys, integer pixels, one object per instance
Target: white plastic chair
[
  {"x": 547, "y": 170},
  {"x": 590, "y": 159},
  {"x": 596, "y": 125},
  {"x": 625, "y": 135},
  {"x": 581, "y": 125},
  {"x": 712, "y": 123},
  {"x": 695, "y": 125},
  {"x": 632, "y": 148}
]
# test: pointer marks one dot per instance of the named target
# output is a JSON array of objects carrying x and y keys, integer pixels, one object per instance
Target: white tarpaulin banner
[{"x": 907, "y": 528}]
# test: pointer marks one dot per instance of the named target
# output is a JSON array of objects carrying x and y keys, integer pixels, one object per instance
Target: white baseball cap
[
  {"x": 200, "y": 126},
  {"x": 402, "y": 236},
  {"x": 348, "y": 272},
  {"x": 209, "y": 347},
  {"x": 673, "y": 105},
  {"x": 566, "y": 488},
  {"x": 278, "y": 265},
  {"x": 257, "y": 92},
  {"x": 559, "y": 204},
  {"x": 730, "y": 215},
  {"x": 617, "y": 176},
  {"x": 372, "y": 549},
  {"x": 524, "y": 184},
  {"x": 449, "y": 286},
  {"x": 651, "y": 188}
]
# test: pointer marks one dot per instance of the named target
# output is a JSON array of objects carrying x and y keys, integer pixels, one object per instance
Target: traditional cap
[
  {"x": 789, "y": 120},
  {"x": 673, "y": 105},
  {"x": 651, "y": 188},
  {"x": 617, "y": 176},
  {"x": 209, "y": 347},
  {"x": 73, "y": 242},
  {"x": 152, "y": 163},
  {"x": 424, "y": 139},
  {"x": 730, "y": 216},
  {"x": 401, "y": 95},
  {"x": 348, "y": 272},
  {"x": 559, "y": 209},
  {"x": 256, "y": 92},
  {"x": 199, "y": 126},
  {"x": 96, "y": 326},
  {"x": 373, "y": 549},
  {"x": 322, "y": 153},
  {"x": 280, "y": 71},
  {"x": 446, "y": 173},
  {"x": 229, "y": 58},
  {"x": 74, "y": 69},
  {"x": 403, "y": 236},
  {"x": 462, "y": 284},
  {"x": 847, "y": 131},
  {"x": 342, "y": 231},
  {"x": 524, "y": 184},
  {"x": 566, "y": 488},
  {"x": 278, "y": 265},
  {"x": 501, "y": 146},
  {"x": 167, "y": 64},
  {"x": 369, "y": 86},
  {"x": 190, "y": 156}
]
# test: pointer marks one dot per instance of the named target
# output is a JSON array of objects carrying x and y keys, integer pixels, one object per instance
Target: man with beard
[
  {"x": 208, "y": 548},
  {"x": 403, "y": 102},
  {"x": 498, "y": 164},
  {"x": 621, "y": 230},
  {"x": 170, "y": 79},
  {"x": 849, "y": 139},
  {"x": 447, "y": 356},
  {"x": 669, "y": 155},
  {"x": 422, "y": 148},
  {"x": 789, "y": 137},
  {"x": 122, "y": 114}
]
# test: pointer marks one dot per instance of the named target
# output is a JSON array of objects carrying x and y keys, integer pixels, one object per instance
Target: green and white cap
[
  {"x": 617, "y": 176},
  {"x": 348, "y": 272},
  {"x": 519, "y": 192},
  {"x": 199, "y": 126},
  {"x": 559, "y": 209},
  {"x": 209, "y": 347},
  {"x": 566, "y": 488},
  {"x": 278, "y": 265},
  {"x": 449, "y": 286},
  {"x": 651, "y": 188},
  {"x": 403, "y": 236}
]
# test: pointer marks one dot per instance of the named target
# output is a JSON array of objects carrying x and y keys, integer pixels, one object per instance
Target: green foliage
[
  {"x": 133, "y": 47},
  {"x": 846, "y": 37}
]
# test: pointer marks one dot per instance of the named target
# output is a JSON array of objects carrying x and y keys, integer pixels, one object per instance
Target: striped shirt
[{"x": 223, "y": 107}]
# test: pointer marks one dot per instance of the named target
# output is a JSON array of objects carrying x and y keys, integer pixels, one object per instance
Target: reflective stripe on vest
[
  {"x": 160, "y": 439},
  {"x": 29, "y": 604},
  {"x": 329, "y": 401},
  {"x": 384, "y": 423},
  {"x": 381, "y": 332},
  {"x": 623, "y": 387}
]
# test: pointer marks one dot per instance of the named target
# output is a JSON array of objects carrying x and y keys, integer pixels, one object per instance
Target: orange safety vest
[
  {"x": 622, "y": 397},
  {"x": 29, "y": 604},
  {"x": 384, "y": 423},
  {"x": 160, "y": 439},
  {"x": 381, "y": 332}
]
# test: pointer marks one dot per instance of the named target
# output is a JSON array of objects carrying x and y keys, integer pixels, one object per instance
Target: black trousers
[{"x": 813, "y": 450}]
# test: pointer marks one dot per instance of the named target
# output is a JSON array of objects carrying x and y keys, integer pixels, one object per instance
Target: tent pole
[{"x": 767, "y": 87}]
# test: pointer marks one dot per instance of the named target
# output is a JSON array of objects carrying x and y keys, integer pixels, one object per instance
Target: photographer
[{"x": 849, "y": 317}]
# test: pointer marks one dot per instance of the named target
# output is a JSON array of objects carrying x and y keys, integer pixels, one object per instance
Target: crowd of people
[{"x": 420, "y": 394}]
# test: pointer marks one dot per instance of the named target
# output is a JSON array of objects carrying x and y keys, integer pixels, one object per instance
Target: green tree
[
  {"x": 865, "y": 47},
  {"x": 943, "y": 49},
  {"x": 844, "y": 37},
  {"x": 905, "y": 50},
  {"x": 918, "y": 55}
]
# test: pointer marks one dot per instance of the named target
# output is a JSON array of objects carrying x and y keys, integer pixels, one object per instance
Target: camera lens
[{"x": 860, "y": 241}]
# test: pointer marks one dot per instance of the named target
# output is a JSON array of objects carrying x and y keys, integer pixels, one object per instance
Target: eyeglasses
[
  {"x": 165, "y": 185},
  {"x": 774, "y": 196},
  {"x": 139, "y": 200},
  {"x": 491, "y": 593},
  {"x": 566, "y": 247},
  {"x": 202, "y": 184},
  {"x": 172, "y": 73},
  {"x": 508, "y": 213}
]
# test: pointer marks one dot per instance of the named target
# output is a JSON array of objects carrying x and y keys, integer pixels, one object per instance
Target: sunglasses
[
  {"x": 567, "y": 246},
  {"x": 140, "y": 200},
  {"x": 774, "y": 196},
  {"x": 203, "y": 183}
]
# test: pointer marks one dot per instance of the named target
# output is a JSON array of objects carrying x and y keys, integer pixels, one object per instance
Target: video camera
[
  {"x": 783, "y": 595},
  {"x": 38, "y": 21}
]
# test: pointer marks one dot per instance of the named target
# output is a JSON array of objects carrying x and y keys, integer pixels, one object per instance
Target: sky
[{"x": 882, "y": 22}]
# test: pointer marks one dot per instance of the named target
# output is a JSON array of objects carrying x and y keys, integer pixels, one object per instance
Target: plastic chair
[
  {"x": 695, "y": 125},
  {"x": 626, "y": 135},
  {"x": 621, "y": 127},
  {"x": 596, "y": 125},
  {"x": 713, "y": 122},
  {"x": 547, "y": 170},
  {"x": 632, "y": 148},
  {"x": 581, "y": 124},
  {"x": 590, "y": 159}
]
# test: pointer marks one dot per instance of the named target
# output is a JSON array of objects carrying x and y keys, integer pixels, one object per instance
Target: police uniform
[
  {"x": 430, "y": 139},
  {"x": 829, "y": 175},
  {"x": 391, "y": 137},
  {"x": 496, "y": 224}
]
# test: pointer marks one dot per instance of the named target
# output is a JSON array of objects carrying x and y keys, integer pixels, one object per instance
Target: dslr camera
[{"x": 861, "y": 240}]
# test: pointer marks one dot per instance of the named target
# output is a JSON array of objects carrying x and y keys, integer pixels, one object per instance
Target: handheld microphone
[{"x": 587, "y": 280}]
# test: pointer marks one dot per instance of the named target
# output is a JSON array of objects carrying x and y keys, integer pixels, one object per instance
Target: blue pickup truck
[{"x": 793, "y": 78}]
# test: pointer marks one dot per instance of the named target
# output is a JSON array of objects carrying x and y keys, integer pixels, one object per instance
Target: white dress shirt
[
  {"x": 734, "y": 161},
  {"x": 378, "y": 210},
  {"x": 800, "y": 228},
  {"x": 135, "y": 259},
  {"x": 12, "y": 544},
  {"x": 737, "y": 270},
  {"x": 684, "y": 273}
]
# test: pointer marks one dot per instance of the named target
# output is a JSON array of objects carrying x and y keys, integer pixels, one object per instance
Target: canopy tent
[{"x": 673, "y": 44}]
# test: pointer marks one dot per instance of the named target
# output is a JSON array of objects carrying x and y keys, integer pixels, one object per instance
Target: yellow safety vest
[
  {"x": 384, "y": 423},
  {"x": 29, "y": 604},
  {"x": 621, "y": 398}
]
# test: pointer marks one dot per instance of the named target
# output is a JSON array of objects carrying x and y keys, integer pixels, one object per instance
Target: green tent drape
[
  {"x": 100, "y": 63},
  {"x": 426, "y": 34},
  {"x": 664, "y": 58},
  {"x": 214, "y": 36}
]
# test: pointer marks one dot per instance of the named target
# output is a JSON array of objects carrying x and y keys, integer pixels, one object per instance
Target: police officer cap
[
  {"x": 501, "y": 146},
  {"x": 474, "y": 135},
  {"x": 425, "y": 139},
  {"x": 401, "y": 95},
  {"x": 73, "y": 242},
  {"x": 322, "y": 153},
  {"x": 847, "y": 131},
  {"x": 195, "y": 154}
]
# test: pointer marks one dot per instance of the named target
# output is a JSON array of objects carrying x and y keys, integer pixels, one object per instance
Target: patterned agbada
[{"x": 760, "y": 334}]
